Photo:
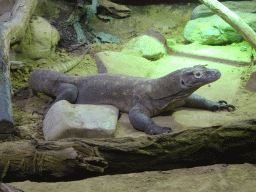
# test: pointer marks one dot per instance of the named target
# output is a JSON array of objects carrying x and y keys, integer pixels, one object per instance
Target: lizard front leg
[
  {"x": 140, "y": 120},
  {"x": 197, "y": 101}
]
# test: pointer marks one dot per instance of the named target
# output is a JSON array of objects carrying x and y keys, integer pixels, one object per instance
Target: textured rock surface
[
  {"x": 117, "y": 62},
  {"x": 243, "y": 6},
  {"x": 157, "y": 35},
  {"x": 65, "y": 120},
  {"x": 145, "y": 46},
  {"x": 215, "y": 31},
  {"x": 40, "y": 40}
]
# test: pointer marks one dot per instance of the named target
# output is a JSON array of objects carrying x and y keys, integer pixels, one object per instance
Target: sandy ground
[
  {"x": 212, "y": 178},
  {"x": 230, "y": 87}
]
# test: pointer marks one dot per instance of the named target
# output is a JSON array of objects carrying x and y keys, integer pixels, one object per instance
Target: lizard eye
[{"x": 198, "y": 74}]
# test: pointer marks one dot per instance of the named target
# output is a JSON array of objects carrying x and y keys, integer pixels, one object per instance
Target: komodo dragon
[{"x": 141, "y": 97}]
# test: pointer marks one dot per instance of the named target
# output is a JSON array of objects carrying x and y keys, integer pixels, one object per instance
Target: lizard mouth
[
  {"x": 214, "y": 75},
  {"x": 217, "y": 74}
]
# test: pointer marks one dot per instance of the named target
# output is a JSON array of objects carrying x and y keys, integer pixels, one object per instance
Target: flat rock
[
  {"x": 242, "y": 6},
  {"x": 65, "y": 120},
  {"x": 116, "y": 62},
  {"x": 214, "y": 30},
  {"x": 145, "y": 46}
]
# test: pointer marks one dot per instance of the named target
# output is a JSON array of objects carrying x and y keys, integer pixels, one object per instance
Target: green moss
[
  {"x": 48, "y": 9},
  {"x": 21, "y": 117},
  {"x": 19, "y": 77},
  {"x": 40, "y": 95},
  {"x": 18, "y": 115},
  {"x": 23, "y": 47}
]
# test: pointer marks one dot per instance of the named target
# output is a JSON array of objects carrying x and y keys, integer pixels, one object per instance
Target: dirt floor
[
  {"x": 221, "y": 177},
  {"x": 170, "y": 21}
]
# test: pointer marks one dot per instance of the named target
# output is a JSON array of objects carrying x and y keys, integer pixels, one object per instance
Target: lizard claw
[
  {"x": 226, "y": 106},
  {"x": 222, "y": 101},
  {"x": 154, "y": 129},
  {"x": 39, "y": 113}
]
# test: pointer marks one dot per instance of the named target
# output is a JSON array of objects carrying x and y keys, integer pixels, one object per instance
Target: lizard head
[{"x": 198, "y": 76}]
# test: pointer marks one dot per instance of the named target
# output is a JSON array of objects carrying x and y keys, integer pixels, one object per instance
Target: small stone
[
  {"x": 146, "y": 46},
  {"x": 243, "y": 48}
]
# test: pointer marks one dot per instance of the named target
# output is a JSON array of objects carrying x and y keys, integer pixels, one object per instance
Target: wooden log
[
  {"x": 5, "y": 187},
  {"x": 118, "y": 10},
  {"x": 11, "y": 32},
  {"x": 233, "y": 19},
  {"x": 71, "y": 159}
]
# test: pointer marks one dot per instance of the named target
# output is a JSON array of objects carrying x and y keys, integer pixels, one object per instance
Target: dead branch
[
  {"x": 233, "y": 19},
  {"x": 11, "y": 32},
  {"x": 70, "y": 159}
]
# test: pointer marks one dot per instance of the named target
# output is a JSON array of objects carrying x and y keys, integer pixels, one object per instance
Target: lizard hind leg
[{"x": 64, "y": 91}]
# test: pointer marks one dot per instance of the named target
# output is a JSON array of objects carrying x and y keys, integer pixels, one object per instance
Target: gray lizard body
[{"x": 141, "y": 97}]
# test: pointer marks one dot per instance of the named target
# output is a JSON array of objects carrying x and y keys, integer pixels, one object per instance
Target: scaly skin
[
  {"x": 62, "y": 67},
  {"x": 66, "y": 66},
  {"x": 141, "y": 97}
]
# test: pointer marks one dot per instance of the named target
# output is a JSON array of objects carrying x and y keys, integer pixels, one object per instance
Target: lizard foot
[
  {"x": 39, "y": 113},
  {"x": 223, "y": 105},
  {"x": 153, "y": 129}
]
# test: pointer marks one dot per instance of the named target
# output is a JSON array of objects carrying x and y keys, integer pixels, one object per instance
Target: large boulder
[
  {"x": 40, "y": 40},
  {"x": 214, "y": 30},
  {"x": 65, "y": 120},
  {"x": 242, "y": 6}
]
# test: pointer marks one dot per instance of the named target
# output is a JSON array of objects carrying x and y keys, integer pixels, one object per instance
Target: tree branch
[{"x": 231, "y": 18}]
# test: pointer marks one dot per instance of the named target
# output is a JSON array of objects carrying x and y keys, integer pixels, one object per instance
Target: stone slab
[
  {"x": 65, "y": 120},
  {"x": 120, "y": 63}
]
